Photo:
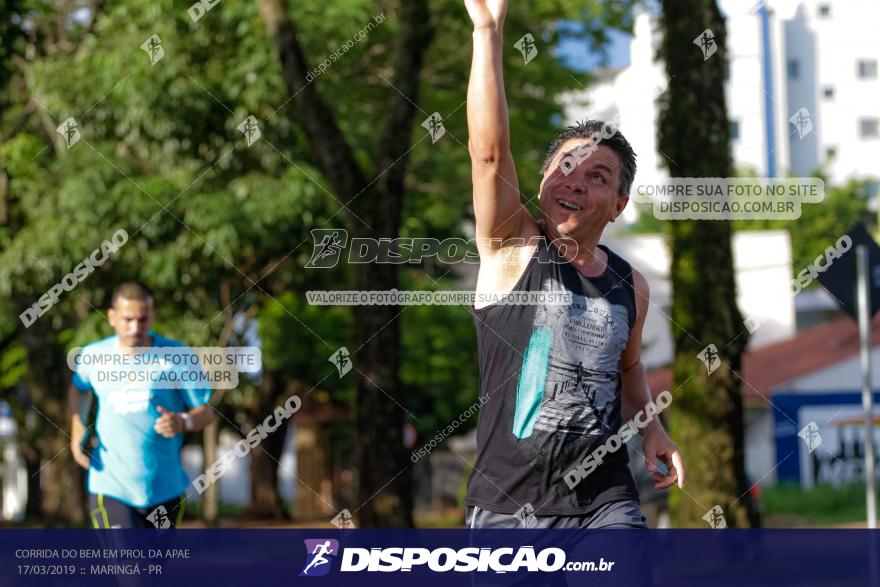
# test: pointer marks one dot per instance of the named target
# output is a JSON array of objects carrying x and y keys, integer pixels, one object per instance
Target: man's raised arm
[{"x": 499, "y": 212}]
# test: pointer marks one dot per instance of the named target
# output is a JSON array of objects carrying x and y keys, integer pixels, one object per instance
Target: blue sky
[{"x": 579, "y": 55}]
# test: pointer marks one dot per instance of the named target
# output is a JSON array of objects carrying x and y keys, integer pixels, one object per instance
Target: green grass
[
  {"x": 448, "y": 518},
  {"x": 791, "y": 505}
]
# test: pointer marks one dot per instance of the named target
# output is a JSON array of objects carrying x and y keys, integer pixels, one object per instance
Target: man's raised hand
[{"x": 487, "y": 13}]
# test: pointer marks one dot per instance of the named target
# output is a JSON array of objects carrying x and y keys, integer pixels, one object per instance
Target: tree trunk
[
  {"x": 211, "y": 497},
  {"x": 706, "y": 413},
  {"x": 384, "y": 482},
  {"x": 61, "y": 484},
  {"x": 33, "y": 508},
  {"x": 265, "y": 501}
]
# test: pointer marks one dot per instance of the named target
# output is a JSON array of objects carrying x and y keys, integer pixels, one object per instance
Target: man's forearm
[
  {"x": 77, "y": 404},
  {"x": 77, "y": 430},
  {"x": 488, "y": 126},
  {"x": 200, "y": 417}
]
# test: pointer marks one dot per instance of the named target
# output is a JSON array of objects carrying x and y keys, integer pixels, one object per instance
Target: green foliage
[
  {"x": 439, "y": 365},
  {"x": 161, "y": 158},
  {"x": 13, "y": 365},
  {"x": 820, "y": 505},
  {"x": 298, "y": 339}
]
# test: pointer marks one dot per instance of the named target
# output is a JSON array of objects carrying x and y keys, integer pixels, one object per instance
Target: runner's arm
[
  {"x": 634, "y": 383},
  {"x": 170, "y": 423},
  {"x": 78, "y": 405},
  {"x": 635, "y": 393},
  {"x": 498, "y": 210}
]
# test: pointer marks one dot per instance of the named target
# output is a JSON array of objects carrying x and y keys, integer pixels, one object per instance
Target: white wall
[
  {"x": 845, "y": 375},
  {"x": 760, "y": 446},
  {"x": 763, "y": 277},
  {"x": 235, "y": 484}
]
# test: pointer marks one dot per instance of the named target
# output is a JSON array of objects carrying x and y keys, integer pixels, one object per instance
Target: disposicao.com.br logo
[
  {"x": 319, "y": 555},
  {"x": 321, "y": 552}
]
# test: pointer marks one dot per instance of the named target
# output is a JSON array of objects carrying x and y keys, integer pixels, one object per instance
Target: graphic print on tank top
[
  {"x": 550, "y": 375},
  {"x": 567, "y": 392}
]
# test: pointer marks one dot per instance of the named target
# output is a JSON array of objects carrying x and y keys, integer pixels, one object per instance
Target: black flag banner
[{"x": 839, "y": 276}]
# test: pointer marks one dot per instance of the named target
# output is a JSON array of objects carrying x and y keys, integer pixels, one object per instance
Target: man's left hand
[
  {"x": 169, "y": 423},
  {"x": 658, "y": 447}
]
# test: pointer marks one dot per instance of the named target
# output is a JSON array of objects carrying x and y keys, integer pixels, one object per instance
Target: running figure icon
[{"x": 318, "y": 553}]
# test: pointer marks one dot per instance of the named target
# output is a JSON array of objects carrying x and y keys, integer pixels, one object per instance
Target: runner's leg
[
  {"x": 106, "y": 512},
  {"x": 168, "y": 514}
]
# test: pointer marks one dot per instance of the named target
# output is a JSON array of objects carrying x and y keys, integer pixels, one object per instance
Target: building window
[
  {"x": 825, "y": 10},
  {"x": 794, "y": 69},
  {"x": 829, "y": 92},
  {"x": 831, "y": 152},
  {"x": 869, "y": 128},
  {"x": 867, "y": 68},
  {"x": 734, "y": 129}
]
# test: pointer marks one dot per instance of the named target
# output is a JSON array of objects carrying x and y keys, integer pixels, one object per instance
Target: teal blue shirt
[{"x": 133, "y": 463}]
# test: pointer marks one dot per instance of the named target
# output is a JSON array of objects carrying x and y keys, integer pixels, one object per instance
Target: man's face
[
  {"x": 131, "y": 319},
  {"x": 579, "y": 205}
]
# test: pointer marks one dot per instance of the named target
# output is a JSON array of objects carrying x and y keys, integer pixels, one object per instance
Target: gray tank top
[{"x": 550, "y": 387}]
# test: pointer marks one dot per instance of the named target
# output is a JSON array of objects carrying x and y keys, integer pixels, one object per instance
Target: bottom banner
[{"x": 439, "y": 557}]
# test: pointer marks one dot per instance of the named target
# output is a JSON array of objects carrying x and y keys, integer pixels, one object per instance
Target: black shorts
[
  {"x": 624, "y": 513},
  {"x": 107, "y": 512}
]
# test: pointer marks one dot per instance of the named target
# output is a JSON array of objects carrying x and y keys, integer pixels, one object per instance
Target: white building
[
  {"x": 832, "y": 57},
  {"x": 783, "y": 57},
  {"x": 13, "y": 475}
]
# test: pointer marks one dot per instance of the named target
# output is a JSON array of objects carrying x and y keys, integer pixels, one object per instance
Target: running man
[
  {"x": 135, "y": 477},
  {"x": 558, "y": 380},
  {"x": 319, "y": 552}
]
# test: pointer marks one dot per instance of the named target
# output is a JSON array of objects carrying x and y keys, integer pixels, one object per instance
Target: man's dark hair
[
  {"x": 131, "y": 290},
  {"x": 593, "y": 128}
]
